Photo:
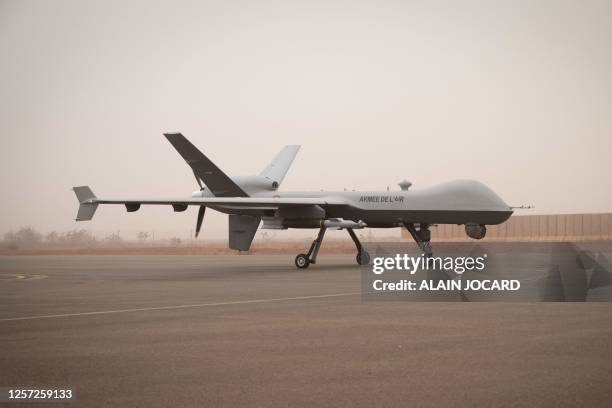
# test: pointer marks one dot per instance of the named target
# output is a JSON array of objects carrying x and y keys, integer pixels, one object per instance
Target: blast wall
[{"x": 556, "y": 227}]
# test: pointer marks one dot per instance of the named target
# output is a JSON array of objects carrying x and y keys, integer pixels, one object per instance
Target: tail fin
[
  {"x": 279, "y": 166},
  {"x": 88, "y": 206}
]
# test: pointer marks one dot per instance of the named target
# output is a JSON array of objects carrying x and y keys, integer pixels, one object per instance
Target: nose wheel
[{"x": 363, "y": 257}]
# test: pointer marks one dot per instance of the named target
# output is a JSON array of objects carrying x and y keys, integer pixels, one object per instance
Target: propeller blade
[{"x": 201, "y": 212}]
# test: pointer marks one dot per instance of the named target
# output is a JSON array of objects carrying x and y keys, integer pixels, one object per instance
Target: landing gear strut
[
  {"x": 363, "y": 257},
  {"x": 422, "y": 237},
  {"x": 302, "y": 261}
]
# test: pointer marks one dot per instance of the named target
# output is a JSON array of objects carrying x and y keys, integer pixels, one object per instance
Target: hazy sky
[{"x": 516, "y": 94}]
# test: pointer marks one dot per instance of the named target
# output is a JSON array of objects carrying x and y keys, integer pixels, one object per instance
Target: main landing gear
[
  {"x": 304, "y": 260},
  {"x": 422, "y": 237}
]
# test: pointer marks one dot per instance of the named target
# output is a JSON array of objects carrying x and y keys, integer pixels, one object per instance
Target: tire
[
  {"x": 302, "y": 261},
  {"x": 363, "y": 258}
]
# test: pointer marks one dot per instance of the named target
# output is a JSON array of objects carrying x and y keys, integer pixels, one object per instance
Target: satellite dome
[{"x": 404, "y": 184}]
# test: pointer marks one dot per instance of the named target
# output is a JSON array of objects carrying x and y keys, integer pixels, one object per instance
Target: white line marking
[
  {"x": 36, "y": 277},
  {"x": 14, "y": 277},
  {"x": 147, "y": 309}
]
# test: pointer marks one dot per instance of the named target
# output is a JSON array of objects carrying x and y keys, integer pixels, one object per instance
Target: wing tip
[{"x": 170, "y": 135}]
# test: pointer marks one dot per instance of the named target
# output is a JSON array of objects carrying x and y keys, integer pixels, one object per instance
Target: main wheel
[
  {"x": 302, "y": 261},
  {"x": 363, "y": 258}
]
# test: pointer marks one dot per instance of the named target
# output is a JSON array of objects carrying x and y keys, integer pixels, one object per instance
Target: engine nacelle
[
  {"x": 250, "y": 184},
  {"x": 475, "y": 231},
  {"x": 253, "y": 184}
]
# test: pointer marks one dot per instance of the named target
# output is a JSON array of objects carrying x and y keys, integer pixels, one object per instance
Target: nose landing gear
[
  {"x": 363, "y": 257},
  {"x": 422, "y": 237},
  {"x": 303, "y": 261}
]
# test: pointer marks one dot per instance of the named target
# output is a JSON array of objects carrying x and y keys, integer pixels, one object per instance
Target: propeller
[
  {"x": 202, "y": 209},
  {"x": 201, "y": 212}
]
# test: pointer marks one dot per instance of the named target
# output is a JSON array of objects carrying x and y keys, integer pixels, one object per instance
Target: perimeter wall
[{"x": 559, "y": 227}]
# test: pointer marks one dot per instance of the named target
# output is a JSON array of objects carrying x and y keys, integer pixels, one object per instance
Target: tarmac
[{"x": 159, "y": 331}]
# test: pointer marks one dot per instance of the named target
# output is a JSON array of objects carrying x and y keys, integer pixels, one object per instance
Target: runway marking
[
  {"x": 21, "y": 277},
  {"x": 147, "y": 309}
]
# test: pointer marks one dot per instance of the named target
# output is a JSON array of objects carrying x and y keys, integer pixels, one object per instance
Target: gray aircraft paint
[{"x": 454, "y": 202}]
